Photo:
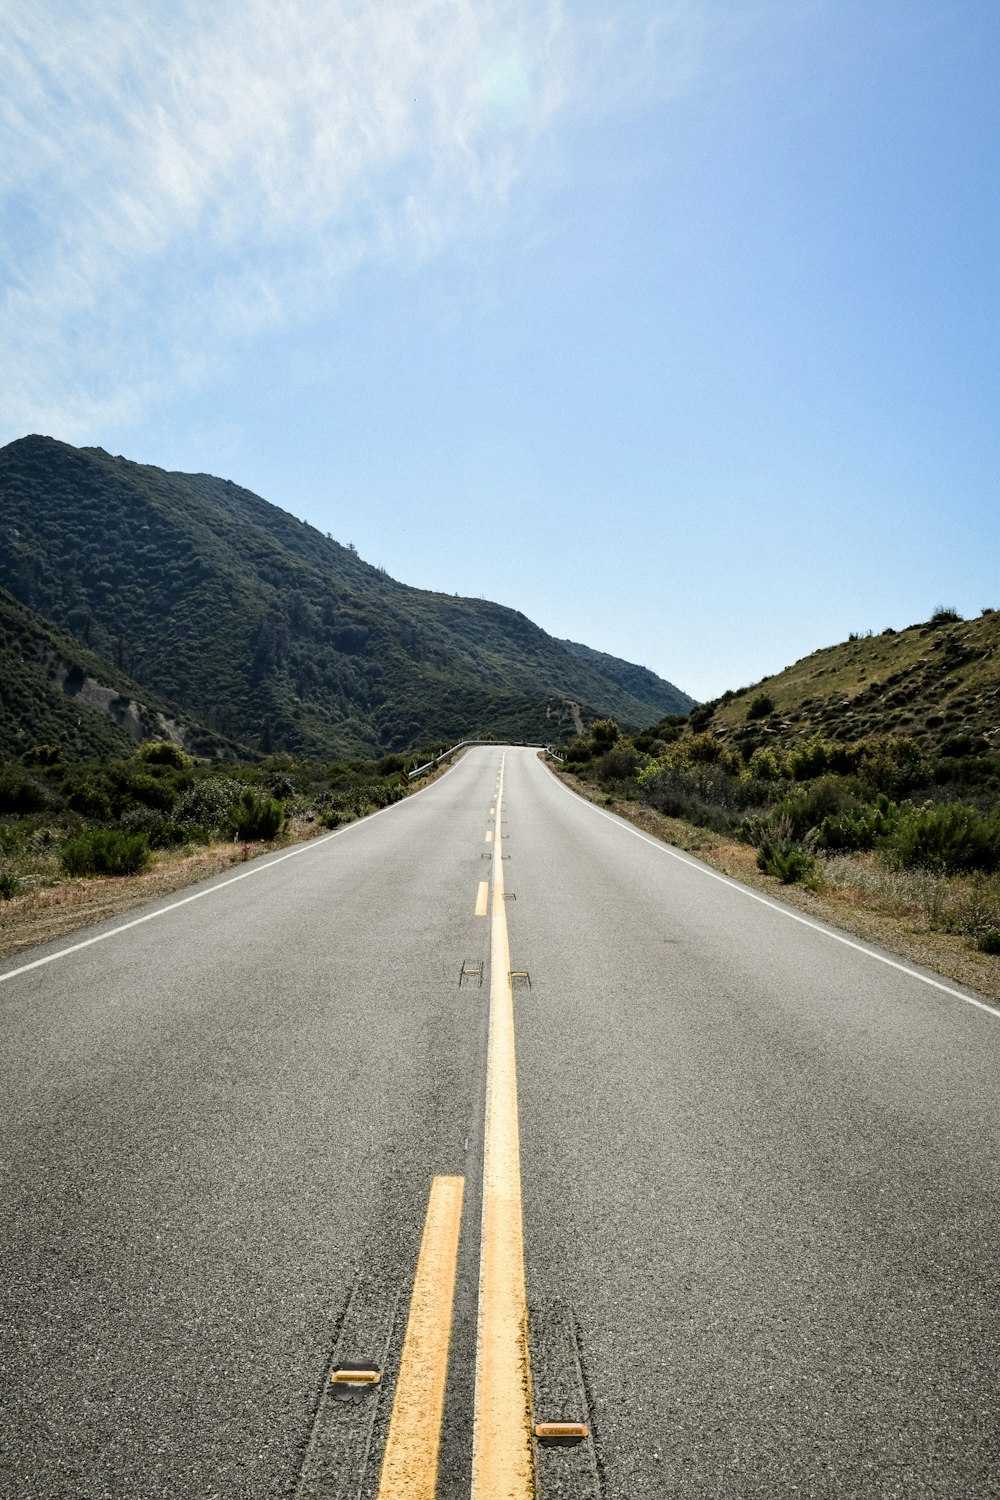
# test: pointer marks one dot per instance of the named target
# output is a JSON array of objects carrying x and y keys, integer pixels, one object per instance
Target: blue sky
[{"x": 673, "y": 325}]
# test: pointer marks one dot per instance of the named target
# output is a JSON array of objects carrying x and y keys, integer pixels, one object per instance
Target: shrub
[
  {"x": 705, "y": 749},
  {"x": 579, "y": 750},
  {"x": 257, "y": 818},
  {"x": 787, "y": 861},
  {"x": 20, "y": 793},
  {"x": 703, "y": 797},
  {"x": 760, "y": 706},
  {"x": 105, "y": 851},
  {"x": 950, "y": 838},
  {"x": 169, "y": 835},
  {"x": 989, "y": 941},
  {"x": 87, "y": 799},
  {"x": 9, "y": 885},
  {"x": 210, "y": 803},
  {"x": 164, "y": 753},
  {"x": 42, "y": 755},
  {"x": 803, "y": 810},
  {"x": 891, "y": 763},
  {"x": 149, "y": 790},
  {"x": 764, "y": 764},
  {"x": 944, "y": 615},
  {"x": 604, "y": 733},
  {"x": 860, "y": 828},
  {"x": 808, "y": 759},
  {"x": 618, "y": 764}
]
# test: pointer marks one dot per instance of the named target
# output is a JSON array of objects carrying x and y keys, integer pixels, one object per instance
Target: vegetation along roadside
[
  {"x": 80, "y": 842},
  {"x": 879, "y": 835}
]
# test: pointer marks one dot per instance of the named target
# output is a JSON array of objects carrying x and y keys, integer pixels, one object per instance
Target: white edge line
[
  {"x": 783, "y": 911},
  {"x": 258, "y": 868}
]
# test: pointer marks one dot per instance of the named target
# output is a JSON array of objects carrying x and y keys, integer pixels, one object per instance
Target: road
[{"x": 748, "y": 1170}]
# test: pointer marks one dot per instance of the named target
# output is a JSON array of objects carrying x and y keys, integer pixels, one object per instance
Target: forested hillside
[
  {"x": 272, "y": 634},
  {"x": 55, "y": 691}
]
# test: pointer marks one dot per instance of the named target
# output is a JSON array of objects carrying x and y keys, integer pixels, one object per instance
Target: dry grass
[
  {"x": 52, "y": 906},
  {"x": 916, "y": 916},
  {"x": 889, "y": 683}
]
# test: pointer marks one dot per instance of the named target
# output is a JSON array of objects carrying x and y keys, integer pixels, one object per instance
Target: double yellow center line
[{"x": 502, "y": 1452}]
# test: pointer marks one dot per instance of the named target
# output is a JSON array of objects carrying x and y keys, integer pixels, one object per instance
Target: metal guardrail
[{"x": 463, "y": 745}]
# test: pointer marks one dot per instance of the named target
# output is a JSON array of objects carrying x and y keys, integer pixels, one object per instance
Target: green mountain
[{"x": 268, "y": 632}]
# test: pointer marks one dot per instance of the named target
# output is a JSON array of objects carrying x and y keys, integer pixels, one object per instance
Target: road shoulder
[{"x": 945, "y": 954}]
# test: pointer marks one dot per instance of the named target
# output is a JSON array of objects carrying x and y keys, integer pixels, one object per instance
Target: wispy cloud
[{"x": 177, "y": 179}]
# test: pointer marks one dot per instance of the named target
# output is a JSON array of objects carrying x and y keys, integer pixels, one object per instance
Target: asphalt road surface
[{"x": 759, "y": 1178}]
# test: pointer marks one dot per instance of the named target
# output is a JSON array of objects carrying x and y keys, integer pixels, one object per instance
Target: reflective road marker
[
  {"x": 502, "y": 1453},
  {"x": 409, "y": 1468}
]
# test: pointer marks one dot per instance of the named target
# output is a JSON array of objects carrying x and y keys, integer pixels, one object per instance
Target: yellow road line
[
  {"x": 482, "y": 898},
  {"x": 502, "y": 1453},
  {"x": 489, "y": 835},
  {"x": 409, "y": 1468}
]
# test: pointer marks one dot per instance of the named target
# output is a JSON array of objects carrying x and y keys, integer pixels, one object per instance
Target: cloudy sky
[{"x": 672, "y": 323}]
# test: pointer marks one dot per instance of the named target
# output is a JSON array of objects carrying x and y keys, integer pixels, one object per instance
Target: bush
[
  {"x": 808, "y": 759},
  {"x": 704, "y": 749},
  {"x": 105, "y": 851},
  {"x": 87, "y": 799},
  {"x": 604, "y": 733},
  {"x": 164, "y": 753},
  {"x": 989, "y": 942},
  {"x": 862, "y": 827},
  {"x": 20, "y": 794},
  {"x": 786, "y": 861},
  {"x": 891, "y": 763},
  {"x": 148, "y": 790},
  {"x": 9, "y": 885},
  {"x": 764, "y": 765},
  {"x": 210, "y": 803},
  {"x": 951, "y": 838},
  {"x": 803, "y": 810},
  {"x": 579, "y": 750},
  {"x": 760, "y": 706},
  {"x": 257, "y": 818},
  {"x": 42, "y": 755},
  {"x": 618, "y": 764}
]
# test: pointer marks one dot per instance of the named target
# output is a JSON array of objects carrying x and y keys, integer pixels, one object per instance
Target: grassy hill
[
  {"x": 937, "y": 683},
  {"x": 269, "y": 632}
]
